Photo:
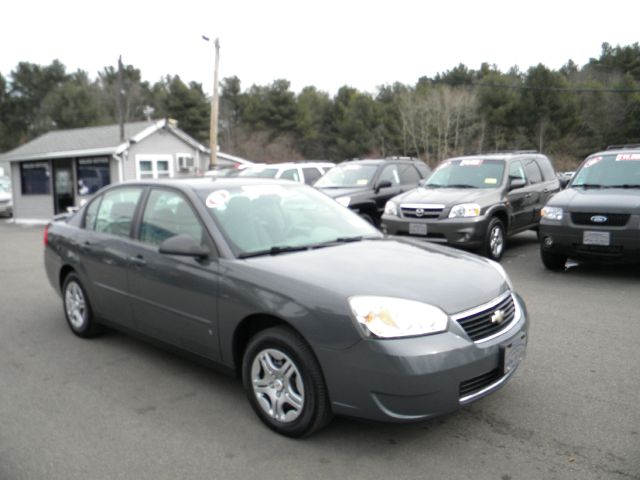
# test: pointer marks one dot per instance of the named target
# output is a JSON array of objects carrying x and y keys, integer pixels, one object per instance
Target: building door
[{"x": 62, "y": 185}]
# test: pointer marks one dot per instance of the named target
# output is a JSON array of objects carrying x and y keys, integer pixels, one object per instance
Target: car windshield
[
  {"x": 5, "y": 187},
  {"x": 259, "y": 172},
  {"x": 348, "y": 175},
  {"x": 609, "y": 171},
  {"x": 467, "y": 173},
  {"x": 270, "y": 219}
]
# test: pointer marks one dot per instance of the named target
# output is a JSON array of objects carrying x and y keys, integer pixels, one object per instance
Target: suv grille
[
  {"x": 612, "y": 219},
  {"x": 483, "y": 324},
  {"x": 476, "y": 384},
  {"x": 419, "y": 211}
]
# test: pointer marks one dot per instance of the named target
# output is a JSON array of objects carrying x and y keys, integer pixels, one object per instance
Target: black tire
[
  {"x": 553, "y": 261},
  {"x": 495, "y": 240},
  {"x": 81, "y": 321},
  {"x": 315, "y": 411}
]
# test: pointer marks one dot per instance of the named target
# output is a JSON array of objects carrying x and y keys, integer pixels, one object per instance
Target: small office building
[{"x": 62, "y": 168}]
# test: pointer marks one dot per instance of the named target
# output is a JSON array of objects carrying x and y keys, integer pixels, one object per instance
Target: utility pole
[
  {"x": 213, "y": 126},
  {"x": 119, "y": 99}
]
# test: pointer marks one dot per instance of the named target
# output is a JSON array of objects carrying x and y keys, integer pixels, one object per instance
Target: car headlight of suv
[
  {"x": 390, "y": 317},
  {"x": 391, "y": 209},
  {"x": 465, "y": 210},
  {"x": 552, "y": 213},
  {"x": 344, "y": 201}
]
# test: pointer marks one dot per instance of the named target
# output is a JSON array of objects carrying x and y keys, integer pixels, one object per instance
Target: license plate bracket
[
  {"x": 590, "y": 237},
  {"x": 418, "y": 229},
  {"x": 513, "y": 353}
]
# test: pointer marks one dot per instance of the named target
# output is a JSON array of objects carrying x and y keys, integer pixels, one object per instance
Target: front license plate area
[
  {"x": 513, "y": 353},
  {"x": 596, "y": 238},
  {"x": 418, "y": 229}
]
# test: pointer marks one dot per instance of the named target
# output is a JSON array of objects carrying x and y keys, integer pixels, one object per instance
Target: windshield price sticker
[
  {"x": 472, "y": 162},
  {"x": 217, "y": 199},
  {"x": 592, "y": 161},
  {"x": 628, "y": 156}
]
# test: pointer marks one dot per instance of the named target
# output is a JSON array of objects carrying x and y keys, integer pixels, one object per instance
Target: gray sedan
[{"x": 311, "y": 306}]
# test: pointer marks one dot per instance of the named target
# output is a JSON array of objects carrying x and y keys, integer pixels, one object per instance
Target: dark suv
[
  {"x": 366, "y": 185},
  {"x": 598, "y": 215},
  {"x": 474, "y": 202}
]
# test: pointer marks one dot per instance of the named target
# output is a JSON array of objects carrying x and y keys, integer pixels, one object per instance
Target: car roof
[
  {"x": 498, "y": 155},
  {"x": 380, "y": 161},
  {"x": 617, "y": 150},
  {"x": 208, "y": 183}
]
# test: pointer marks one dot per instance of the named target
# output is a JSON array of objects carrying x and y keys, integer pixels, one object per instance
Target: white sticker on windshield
[
  {"x": 255, "y": 191},
  {"x": 471, "y": 162},
  {"x": 362, "y": 181},
  {"x": 352, "y": 167},
  {"x": 628, "y": 156},
  {"x": 491, "y": 181},
  {"x": 591, "y": 162},
  {"x": 217, "y": 199}
]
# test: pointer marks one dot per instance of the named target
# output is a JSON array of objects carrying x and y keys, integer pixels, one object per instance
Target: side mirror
[
  {"x": 383, "y": 184},
  {"x": 183, "y": 245},
  {"x": 516, "y": 183}
]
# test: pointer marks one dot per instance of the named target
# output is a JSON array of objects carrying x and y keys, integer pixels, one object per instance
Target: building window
[
  {"x": 93, "y": 174},
  {"x": 35, "y": 178},
  {"x": 185, "y": 162},
  {"x": 153, "y": 167}
]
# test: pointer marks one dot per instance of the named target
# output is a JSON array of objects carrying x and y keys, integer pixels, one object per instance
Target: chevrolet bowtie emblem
[{"x": 497, "y": 317}]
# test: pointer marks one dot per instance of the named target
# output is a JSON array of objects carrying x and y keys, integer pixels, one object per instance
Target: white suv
[{"x": 303, "y": 172}]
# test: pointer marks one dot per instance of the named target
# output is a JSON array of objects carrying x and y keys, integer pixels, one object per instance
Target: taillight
[{"x": 46, "y": 235}]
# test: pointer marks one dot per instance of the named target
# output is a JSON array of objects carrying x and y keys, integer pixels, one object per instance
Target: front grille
[
  {"x": 612, "y": 219},
  {"x": 4, "y": 202},
  {"x": 476, "y": 384},
  {"x": 483, "y": 324},
  {"x": 417, "y": 211}
]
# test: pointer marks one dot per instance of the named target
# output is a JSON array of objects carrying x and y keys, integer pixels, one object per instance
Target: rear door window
[
  {"x": 311, "y": 174},
  {"x": 115, "y": 215},
  {"x": 548, "y": 172},
  {"x": 533, "y": 171},
  {"x": 408, "y": 174},
  {"x": 291, "y": 174}
]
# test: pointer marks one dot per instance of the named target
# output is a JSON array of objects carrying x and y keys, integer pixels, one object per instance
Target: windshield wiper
[
  {"x": 624, "y": 185},
  {"x": 336, "y": 241},
  {"x": 588, "y": 185},
  {"x": 274, "y": 251},
  {"x": 461, "y": 185}
]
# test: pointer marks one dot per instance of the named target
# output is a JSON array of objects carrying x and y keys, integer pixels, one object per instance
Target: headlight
[
  {"x": 344, "y": 201},
  {"x": 502, "y": 272},
  {"x": 465, "y": 210},
  {"x": 552, "y": 213},
  {"x": 391, "y": 209},
  {"x": 389, "y": 317}
]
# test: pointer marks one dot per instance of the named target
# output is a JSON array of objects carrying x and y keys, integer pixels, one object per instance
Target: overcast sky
[{"x": 326, "y": 44}]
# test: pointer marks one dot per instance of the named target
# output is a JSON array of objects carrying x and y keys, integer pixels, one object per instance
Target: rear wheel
[
  {"x": 553, "y": 261},
  {"x": 284, "y": 383},
  {"x": 77, "y": 308},
  {"x": 494, "y": 240}
]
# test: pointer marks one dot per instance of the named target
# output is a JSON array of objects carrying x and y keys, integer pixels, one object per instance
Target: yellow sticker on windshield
[{"x": 491, "y": 181}]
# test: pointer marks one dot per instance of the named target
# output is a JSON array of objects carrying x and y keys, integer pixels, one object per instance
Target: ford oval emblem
[{"x": 599, "y": 219}]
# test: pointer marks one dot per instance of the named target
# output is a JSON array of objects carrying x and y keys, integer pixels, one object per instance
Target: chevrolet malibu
[{"x": 313, "y": 308}]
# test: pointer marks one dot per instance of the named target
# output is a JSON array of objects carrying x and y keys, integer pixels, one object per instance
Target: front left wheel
[
  {"x": 284, "y": 383},
  {"x": 77, "y": 308}
]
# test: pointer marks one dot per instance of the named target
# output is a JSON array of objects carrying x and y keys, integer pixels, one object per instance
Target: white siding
[{"x": 29, "y": 207}]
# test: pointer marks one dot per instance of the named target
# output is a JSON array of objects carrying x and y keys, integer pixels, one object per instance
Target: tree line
[{"x": 566, "y": 113}]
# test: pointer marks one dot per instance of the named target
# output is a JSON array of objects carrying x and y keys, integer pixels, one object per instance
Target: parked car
[
  {"x": 6, "y": 198},
  {"x": 365, "y": 185},
  {"x": 303, "y": 172},
  {"x": 315, "y": 309},
  {"x": 598, "y": 215},
  {"x": 475, "y": 202}
]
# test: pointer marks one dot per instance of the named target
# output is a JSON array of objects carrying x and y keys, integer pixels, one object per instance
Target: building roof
[{"x": 91, "y": 141}]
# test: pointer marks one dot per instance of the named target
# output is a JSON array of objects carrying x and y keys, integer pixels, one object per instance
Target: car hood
[
  {"x": 450, "y": 279},
  {"x": 610, "y": 200},
  {"x": 449, "y": 196},
  {"x": 343, "y": 191}
]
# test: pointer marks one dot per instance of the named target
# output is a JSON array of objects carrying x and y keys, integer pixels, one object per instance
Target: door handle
[
  {"x": 528, "y": 195},
  {"x": 138, "y": 261},
  {"x": 546, "y": 190}
]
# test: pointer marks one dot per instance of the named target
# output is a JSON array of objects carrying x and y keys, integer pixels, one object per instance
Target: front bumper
[
  {"x": 413, "y": 379},
  {"x": 567, "y": 238},
  {"x": 458, "y": 232},
  {"x": 6, "y": 209}
]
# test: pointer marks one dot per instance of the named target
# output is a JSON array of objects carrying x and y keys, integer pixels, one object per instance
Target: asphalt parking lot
[{"x": 115, "y": 407}]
